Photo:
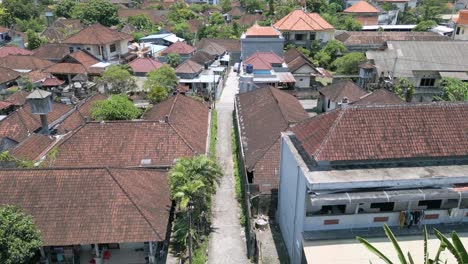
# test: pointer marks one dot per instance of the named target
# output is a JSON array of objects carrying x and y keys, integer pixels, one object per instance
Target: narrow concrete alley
[{"x": 227, "y": 241}]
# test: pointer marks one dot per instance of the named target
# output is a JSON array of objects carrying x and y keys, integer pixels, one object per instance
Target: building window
[
  {"x": 458, "y": 30},
  {"x": 431, "y": 204},
  {"x": 299, "y": 37},
  {"x": 333, "y": 209},
  {"x": 112, "y": 48},
  {"x": 286, "y": 35},
  {"x": 427, "y": 82},
  {"x": 328, "y": 103},
  {"x": 383, "y": 207},
  {"x": 312, "y": 36},
  {"x": 71, "y": 49},
  {"x": 88, "y": 48}
]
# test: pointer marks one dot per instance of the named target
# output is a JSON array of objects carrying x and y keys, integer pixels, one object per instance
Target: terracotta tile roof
[
  {"x": 78, "y": 62},
  {"x": 295, "y": 60},
  {"x": 144, "y": 65},
  {"x": 33, "y": 147},
  {"x": 195, "y": 25},
  {"x": 260, "y": 31},
  {"x": 231, "y": 45},
  {"x": 362, "y": 7},
  {"x": 4, "y": 105},
  {"x": 61, "y": 29},
  {"x": 7, "y": 75},
  {"x": 188, "y": 116},
  {"x": 19, "y": 124},
  {"x": 66, "y": 68},
  {"x": 97, "y": 34},
  {"x": 156, "y": 16},
  {"x": 381, "y": 132},
  {"x": 380, "y": 96},
  {"x": 52, "y": 81},
  {"x": 462, "y": 17},
  {"x": 202, "y": 57},
  {"x": 249, "y": 19},
  {"x": 80, "y": 115},
  {"x": 179, "y": 47},
  {"x": 298, "y": 20},
  {"x": 18, "y": 98},
  {"x": 189, "y": 67},
  {"x": 122, "y": 143},
  {"x": 24, "y": 62},
  {"x": 263, "y": 114},
  {"x": 37, "y": 76},
  {"x": 52, "y": 51},
  {"x": 214, "y": 48},
  {"x": 337, "y": 91},
  {"x": 13, "y": 50},
  {"x": 380, "y": 38},
  {"x": 84, "y": 206},
  {"x": 263, "y": 60}
]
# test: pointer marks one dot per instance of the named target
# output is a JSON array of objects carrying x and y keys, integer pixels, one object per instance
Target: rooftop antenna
[{"x": 41, "y": 104}]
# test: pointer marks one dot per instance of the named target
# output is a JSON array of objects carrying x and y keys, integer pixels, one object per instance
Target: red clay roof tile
[
  {"x": 381, "y": 132},
  {"x": 299, "y": 20},
  {"x": 84, "y": 206}
]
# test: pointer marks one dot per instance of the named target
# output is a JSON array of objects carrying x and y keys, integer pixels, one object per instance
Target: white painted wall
[
  {"x": 462, "y": 32},
  {"x": 291, "y": 200}
]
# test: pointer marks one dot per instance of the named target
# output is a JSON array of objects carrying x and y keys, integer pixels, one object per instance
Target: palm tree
[
  {"x": 192, "y": 180},
  {"x": 456, "y": 248}
]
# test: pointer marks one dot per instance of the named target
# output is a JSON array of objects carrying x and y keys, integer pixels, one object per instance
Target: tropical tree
[
  {"x": 454, "y": 90},
  {"x": 192, "y": 180},
  {"x": 116, "y": 107},
  {"x": 19, "y": 237},
  {"x": 455, "y": 247},
  {"x": 173, "y": 59},
  {"x": 225, "y": 5},
  {"x": 34, "y": 41},
  {"x": 164, "y": 76},
  {"x": 348, "y": 64},
  {"x": 425, "y": 25},
  {"x": 117, "y": 79},
  {"x": 140, "y": 21},
  {"x": 404, "y": 89},
  {"x": 96, "y": 11},
  {"x": 157, "y": 94},
  {"x": 64, "y": 8}
]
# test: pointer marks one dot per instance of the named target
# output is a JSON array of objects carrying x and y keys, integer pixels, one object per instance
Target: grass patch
[
  {"x": 238, "y": 176},
  {"x": 213, "y": 133},
  {"x": 199, "y": 254}
]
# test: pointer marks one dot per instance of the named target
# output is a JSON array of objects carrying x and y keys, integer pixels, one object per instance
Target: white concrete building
[{"x": 347, "y": 172}]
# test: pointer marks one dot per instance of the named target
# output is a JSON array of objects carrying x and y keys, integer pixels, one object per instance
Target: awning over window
[{"x": 458, "y": 75}]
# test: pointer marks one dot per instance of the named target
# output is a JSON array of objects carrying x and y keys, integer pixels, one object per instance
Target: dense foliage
[
  {"x": 157, "y": 94},
  {"x": 192, "y": 180},
  {"x": 117, "y": 79},
  {"x": 454, "y": 90},
  {"x": 348, "y": 64},
  {"x": 164, "y": 77},
  {"x": 19, "y": 237},
  {"x": 116, "y": 107},
  {"x": 173, "y": 59}
]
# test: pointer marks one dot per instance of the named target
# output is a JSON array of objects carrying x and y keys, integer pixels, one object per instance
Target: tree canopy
[
  {"x": 157, "y": 94},
  {"x": 117, "y": 79},
  {"x": 454, "y": 90},
  {"x": 65, "y": 8},
  {"x": 173, "y": 59},
  {"x": 348, "y": 64},
  {"x": 425, "y": 25},
  {"x": 116, "y": 107},
  {"x": 164, "y": 76},
  {"x": 193, "y": 180},
  {"x": 34, "y": 41},
  {"x": 19, "y": 237},
  {"x": 96, "y": 11}
]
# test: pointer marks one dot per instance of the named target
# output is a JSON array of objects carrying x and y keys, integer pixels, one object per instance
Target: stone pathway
[{"x": 227, "y": 241}]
